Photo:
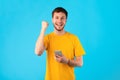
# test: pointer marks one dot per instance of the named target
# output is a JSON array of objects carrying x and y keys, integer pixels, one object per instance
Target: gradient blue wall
[{"x": 95, "y": 22}]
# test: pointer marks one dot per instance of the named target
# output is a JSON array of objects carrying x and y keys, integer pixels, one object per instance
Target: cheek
[
  {"x": 64, "y": 21},
  {"x": 53, "y": 20}
]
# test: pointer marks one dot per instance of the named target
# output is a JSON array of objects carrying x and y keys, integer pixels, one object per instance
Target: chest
[{"x": 65, "y": 44}]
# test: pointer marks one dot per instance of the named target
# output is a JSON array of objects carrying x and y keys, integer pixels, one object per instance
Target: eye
[
  {"x": 62, "y": 18},
  {"x": 56, "y": 17}
]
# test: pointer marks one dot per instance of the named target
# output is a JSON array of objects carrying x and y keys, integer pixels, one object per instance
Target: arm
[
  {"x": 73, "y": 63},
  {"x": 40, "y": 42},
  {"x": 77, "y": 62}
]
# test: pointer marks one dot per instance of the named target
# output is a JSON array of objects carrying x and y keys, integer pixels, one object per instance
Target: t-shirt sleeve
[
  {"x": 46, "y": 41},
  {"x": 79, "y": 51}
]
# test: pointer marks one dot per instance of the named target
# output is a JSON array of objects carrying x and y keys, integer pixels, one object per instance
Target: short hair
[{"x": 59, "y": 9}]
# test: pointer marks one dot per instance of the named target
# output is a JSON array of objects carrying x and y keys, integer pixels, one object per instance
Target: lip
[{"x": 60, "y": 25}]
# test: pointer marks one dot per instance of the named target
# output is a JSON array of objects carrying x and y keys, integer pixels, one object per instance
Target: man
[{"x": 64, "y": 51}]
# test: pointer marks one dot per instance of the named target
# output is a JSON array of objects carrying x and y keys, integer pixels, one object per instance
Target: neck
[{"x": 59, "y": 32}]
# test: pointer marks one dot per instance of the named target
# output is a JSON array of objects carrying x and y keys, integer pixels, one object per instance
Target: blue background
[{"x": 95, "y": 22}]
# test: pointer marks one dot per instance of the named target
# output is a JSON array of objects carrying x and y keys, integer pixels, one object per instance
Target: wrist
[
  {"x": 68, "y": 62},
  {"x": 43, "y": 29}
]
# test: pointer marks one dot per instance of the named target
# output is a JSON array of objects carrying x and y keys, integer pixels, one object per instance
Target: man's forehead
[{"x": 59, "y": 14}]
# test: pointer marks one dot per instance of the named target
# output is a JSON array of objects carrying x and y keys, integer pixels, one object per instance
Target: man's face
[{"x": 59, "y": 20}]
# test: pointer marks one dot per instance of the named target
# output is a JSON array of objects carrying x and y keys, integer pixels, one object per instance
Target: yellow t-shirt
[{"x": 70, "y": 46}]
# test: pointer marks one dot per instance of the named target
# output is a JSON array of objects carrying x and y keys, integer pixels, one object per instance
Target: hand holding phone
[{"x": 60, "y": 57}]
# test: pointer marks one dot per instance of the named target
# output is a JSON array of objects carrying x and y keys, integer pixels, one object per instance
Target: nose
[{"x": 59, "y": 20}]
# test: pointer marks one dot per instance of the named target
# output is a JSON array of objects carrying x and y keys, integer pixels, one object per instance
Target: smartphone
[{"x": 58, "y": 52}]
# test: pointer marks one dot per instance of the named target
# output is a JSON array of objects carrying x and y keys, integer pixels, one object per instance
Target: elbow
[
  {"x": 80, "y": 64},
  {"x": 38, "y": 52}
]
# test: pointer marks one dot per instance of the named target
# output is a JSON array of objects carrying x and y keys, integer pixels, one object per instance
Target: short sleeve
[
  {"x": 79, "y": 51},
  {"x": 46, "y": 42}
]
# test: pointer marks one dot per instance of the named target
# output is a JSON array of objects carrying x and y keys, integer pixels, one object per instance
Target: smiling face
[{"x": 59, "y": 20}]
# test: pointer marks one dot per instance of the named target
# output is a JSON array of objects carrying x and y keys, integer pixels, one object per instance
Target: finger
[
  {"x": 58, "y": 56},
  {"x": 59, "y": 59}
]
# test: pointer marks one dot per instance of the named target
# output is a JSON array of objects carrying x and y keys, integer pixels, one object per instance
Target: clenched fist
[{"x": 44, "y": 24}]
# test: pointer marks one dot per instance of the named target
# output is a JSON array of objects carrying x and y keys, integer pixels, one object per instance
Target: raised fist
[{"x": 44, "y": 24}]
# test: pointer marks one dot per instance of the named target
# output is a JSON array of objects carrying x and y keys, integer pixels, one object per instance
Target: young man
[{"x": 64, "y": 51}]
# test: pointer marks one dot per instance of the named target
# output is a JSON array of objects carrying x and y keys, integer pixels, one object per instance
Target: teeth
[{"x": 59, "y": 24}]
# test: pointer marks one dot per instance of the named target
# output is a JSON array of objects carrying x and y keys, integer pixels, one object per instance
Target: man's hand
[
  {"x": 73, "y": 63},
  {"x": 61, "y": 59},
  {"x": 44, "y": 25}
]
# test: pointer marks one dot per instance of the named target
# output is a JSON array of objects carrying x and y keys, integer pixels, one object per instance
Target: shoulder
[
  {"x": 49, "y": 35},
  {"x": 73, "y": 36}
]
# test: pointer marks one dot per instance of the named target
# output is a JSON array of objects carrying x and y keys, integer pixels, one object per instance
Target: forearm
[
  {"x": 40, "y": 43},
  {"x": 75, "y": 63},
  {"x": 78, "y": 61}
]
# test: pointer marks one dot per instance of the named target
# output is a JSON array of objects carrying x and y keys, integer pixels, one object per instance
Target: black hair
[{"x": 59, "y": 9}]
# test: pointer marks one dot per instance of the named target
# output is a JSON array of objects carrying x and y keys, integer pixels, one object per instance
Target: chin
[{"x": 59, "y": 29}]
